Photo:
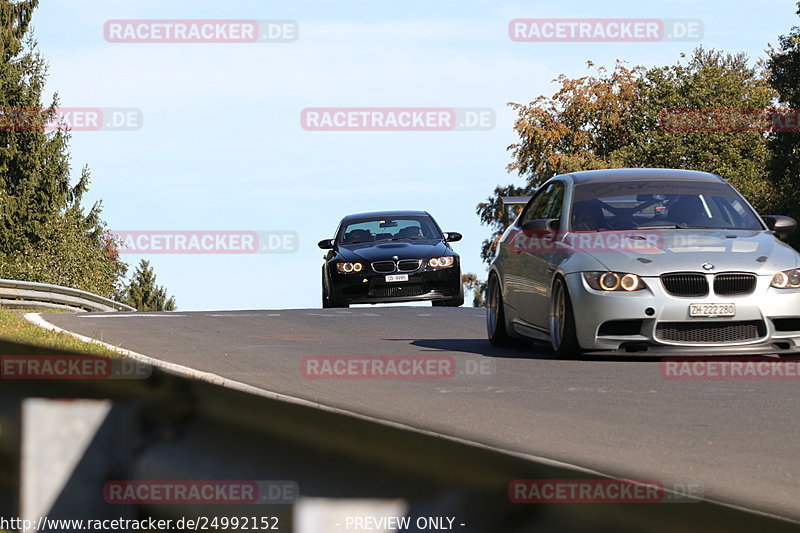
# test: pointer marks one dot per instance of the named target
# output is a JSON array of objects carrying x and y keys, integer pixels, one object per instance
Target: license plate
[
  {"x": 396, "y": 277},
  {"x": 712, "y": 310}
]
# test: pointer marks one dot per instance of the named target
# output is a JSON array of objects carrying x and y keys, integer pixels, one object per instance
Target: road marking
[
  {"x": 138, "y": 315},
  {"x": 344, "y": 315},
  {"x": 235, "y": 315}
]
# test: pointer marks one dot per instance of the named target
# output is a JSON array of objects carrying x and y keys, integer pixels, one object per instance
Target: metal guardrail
[{"x": 42, "y": 295}]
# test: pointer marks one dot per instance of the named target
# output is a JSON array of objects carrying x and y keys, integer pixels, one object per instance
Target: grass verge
[{"x": 14, "y": 328}]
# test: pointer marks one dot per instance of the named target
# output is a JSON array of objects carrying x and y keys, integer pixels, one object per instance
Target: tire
[
  {"x": 496, "y": 315},
  {"x": 562, "y": 321},
  {"x": 328, "y": 302}
]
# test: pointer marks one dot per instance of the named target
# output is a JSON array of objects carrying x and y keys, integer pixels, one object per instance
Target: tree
[
  {"x": 578, "y": 128},
  {"x": 144, "y": 294},
  {"x": 478, "y": 288},
  {"x": 784, "y": 66},
  {"x": 616, "y": 119},
  {"x": 45, "y": 233},
  {"x": 710, "y": 80}
]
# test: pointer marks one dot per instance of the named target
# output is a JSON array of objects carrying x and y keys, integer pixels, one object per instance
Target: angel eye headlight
[
  {"x": 609, "y": 281},
  {"x": 629, "y": 282},
  {"x": 780, "y": 280},
  {"x": 786, "y": 279},
  {"x": 613, "y": 281},
  {"x": 441, "y": 262},
  {"x": 347, "y": 268}
]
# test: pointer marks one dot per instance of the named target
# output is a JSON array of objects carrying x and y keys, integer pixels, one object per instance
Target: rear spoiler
[{"x": 514, "y": 200}]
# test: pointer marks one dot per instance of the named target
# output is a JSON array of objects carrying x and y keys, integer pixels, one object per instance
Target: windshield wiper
[
  {"x": 663, "y": 226},
  {"x": 681, "y": 226}
]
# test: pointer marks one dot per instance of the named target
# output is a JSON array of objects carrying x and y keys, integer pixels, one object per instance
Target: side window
[
  {"x": 554, "y": 203},
  {"x": 537, "y": 205},
  {"x": 547, "y": 205}
]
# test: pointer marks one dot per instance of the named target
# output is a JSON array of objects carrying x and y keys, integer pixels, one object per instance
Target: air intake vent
[
  {"x": 398, "y": 291},
  {"x": 711, "y": 332}
]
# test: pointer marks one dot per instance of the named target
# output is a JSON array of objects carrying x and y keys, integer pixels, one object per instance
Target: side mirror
[
  {"x": 780, "y": 224},
  {"x": 326, "y": 244},
  {"x": 452, "y": 236},
  {"x": 541, "y": 224}
]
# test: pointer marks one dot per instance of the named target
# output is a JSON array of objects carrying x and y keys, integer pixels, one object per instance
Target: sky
[{"x": 216, "y": 140}]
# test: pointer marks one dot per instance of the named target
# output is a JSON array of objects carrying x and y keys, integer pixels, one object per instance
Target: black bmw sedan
[{"x": 391, "y": 256}]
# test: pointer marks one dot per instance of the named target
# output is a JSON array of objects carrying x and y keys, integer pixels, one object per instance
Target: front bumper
[
  {"x": 613, "y": 323},
  {"x": 423, "y": 285}
]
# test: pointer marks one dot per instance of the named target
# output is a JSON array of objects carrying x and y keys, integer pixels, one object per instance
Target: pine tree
[
  {"x": 144, "y": 294},
  {"x": 45, "y": 234}
]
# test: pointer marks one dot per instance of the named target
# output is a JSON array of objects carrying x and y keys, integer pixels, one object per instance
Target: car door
[
  {"x": 535, "y": 257},
  {"x": 512, "y": 267}
]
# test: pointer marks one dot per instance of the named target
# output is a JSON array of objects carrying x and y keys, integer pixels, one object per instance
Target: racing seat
[
  {"x": 588, "y": 215},
  {"x": 409, "y": 232},
  {"x": 358, "y": 235},
  {"x": 688, "y": 210}
]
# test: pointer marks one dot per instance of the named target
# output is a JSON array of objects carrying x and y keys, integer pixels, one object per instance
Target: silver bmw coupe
[{"x": 638, "y": 261}]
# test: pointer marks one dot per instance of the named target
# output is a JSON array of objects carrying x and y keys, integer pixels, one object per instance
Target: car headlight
[
  {"x": 441, "y": 262},
  {"x": 349, "y": 268},
  {"x": 614, "y": 281},
  {"x": 786, "y": 279}
]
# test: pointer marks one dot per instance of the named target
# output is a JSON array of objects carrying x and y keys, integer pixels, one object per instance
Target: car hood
[
  {"x": 653, "y": 252},
  {"x": 371, "y": 251}
]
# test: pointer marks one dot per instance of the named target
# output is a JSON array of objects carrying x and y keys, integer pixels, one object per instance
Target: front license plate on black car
[
  {"x": 396, "y": 277},
  {"x": 712, "y": 310}
]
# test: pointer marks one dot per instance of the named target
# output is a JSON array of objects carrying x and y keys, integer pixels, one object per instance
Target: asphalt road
[{"x": 739, "y": 439}]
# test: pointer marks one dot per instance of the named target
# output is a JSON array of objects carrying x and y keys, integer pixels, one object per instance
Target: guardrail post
[{"x": 70, "y": 448}]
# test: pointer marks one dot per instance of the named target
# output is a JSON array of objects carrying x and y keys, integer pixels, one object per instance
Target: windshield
[
  {"x": 405, "y": 227},
  {"x": 660, "y": 204}
]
